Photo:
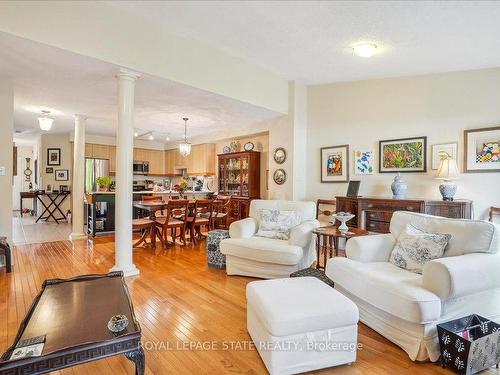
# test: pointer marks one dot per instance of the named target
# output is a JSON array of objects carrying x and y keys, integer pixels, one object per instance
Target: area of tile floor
[{"x": 26, "y": 231}]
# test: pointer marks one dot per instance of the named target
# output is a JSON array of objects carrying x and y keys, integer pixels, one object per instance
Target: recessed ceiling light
[
  {"x": 167, "y": 138},
  {"x": 365, "y": 49},
  {"x": 136, "y": 134},
  {"x": 151, "y": 137}
]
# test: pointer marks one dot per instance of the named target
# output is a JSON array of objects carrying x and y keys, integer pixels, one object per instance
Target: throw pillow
[
  {"x": 416, "y": 247},
  {"x": 277, "y": 224}
]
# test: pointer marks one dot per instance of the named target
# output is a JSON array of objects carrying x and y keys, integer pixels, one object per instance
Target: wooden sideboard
[{"x": 374, "y": 214}]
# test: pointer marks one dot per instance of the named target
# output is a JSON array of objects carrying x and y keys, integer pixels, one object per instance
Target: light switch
[{"x": 2, "y": 171}]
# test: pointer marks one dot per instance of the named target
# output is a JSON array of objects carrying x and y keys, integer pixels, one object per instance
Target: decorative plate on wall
[
  {"x": 279, "y": 176},
  {"x": 226, "y": 149},
  {"x": 248, "y": 146},
  {"x": 279, "y": 155}
]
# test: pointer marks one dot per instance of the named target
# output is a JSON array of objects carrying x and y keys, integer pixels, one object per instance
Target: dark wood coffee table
[
  {"x": 73, "y": 315},
  {"x": 327, "y": 242}
]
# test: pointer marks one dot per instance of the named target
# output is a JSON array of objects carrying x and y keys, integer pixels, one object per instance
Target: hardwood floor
[{"x": 177, "y": 300}]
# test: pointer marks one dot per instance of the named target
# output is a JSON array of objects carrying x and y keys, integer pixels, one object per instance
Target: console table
[
  {"x": 73, "y": 314},
  {"x": 374, "y": 213}
]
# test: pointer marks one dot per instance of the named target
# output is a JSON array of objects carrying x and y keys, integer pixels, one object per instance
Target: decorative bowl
[
  {"x": 343, "y": 217},
  {"x": 117, "y": 323}
]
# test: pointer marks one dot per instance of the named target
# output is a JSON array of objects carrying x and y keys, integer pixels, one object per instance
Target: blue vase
[{"x": 399, "y": 187}]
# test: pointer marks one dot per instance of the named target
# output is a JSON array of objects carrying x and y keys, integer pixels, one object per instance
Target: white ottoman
[{"x": 301, "y": 324}]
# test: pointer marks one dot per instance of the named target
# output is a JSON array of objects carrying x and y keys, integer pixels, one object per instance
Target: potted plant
[
  {"x": 181, "y": 188},
  {"x": 103, "y": 183}
]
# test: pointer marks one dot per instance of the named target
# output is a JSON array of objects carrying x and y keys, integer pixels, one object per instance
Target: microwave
[{"x": 141, "y": 167}]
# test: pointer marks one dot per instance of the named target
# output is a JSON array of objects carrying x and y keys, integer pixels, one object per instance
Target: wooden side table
[{"x": 327, "y": 242}]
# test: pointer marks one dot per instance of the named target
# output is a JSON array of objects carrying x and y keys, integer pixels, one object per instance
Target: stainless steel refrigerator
[{"x": 95, "y": 168}]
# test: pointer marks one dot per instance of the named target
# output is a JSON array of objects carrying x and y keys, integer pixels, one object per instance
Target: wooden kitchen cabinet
[
  {"x": 202, "y": 160},
  {"x": 156, "y": 162},
  {"x": 112, "y": 159},
  {"x": 88, "y": 150},
  {"x": 100, "y": 151},
  {"x": 169, "y": 163}
]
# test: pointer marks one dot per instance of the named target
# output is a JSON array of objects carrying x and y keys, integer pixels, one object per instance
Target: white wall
[
  {"x": 6, "y": 133},
  {"x": 19, "y": 181},
  {"x": 438, "y": 106},
  {"x": 56, "y": 140}
]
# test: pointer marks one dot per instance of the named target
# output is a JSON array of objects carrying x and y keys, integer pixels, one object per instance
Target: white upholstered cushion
[
  {"x": 298, "y": 305},
  {"x": 467, "y": 236},
  {"x": 387, "y": 287},
  {"x": 262, "y": 250},
  {"x": 305, "y": 210}
]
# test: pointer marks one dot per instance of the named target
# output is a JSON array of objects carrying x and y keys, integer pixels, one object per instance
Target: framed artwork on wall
[
  {"x": 49, "y": 170},
  {"x": 450, "y": 148},
  {"x": 279, "y": 155},
  {"x": 61, "y": 175},
  {"x": 482, "y": 150},
  {"x": 335, "y": 163},
  {"x": 403, "y": 155},
  {"x": 279, "y": 176},
  {"x": 53, "y": 156},
  {"x": 364, "y": 162}
]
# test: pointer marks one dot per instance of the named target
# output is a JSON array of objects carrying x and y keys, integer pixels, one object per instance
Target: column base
[
  {"x": 130, "y": 271},
  {"x": 77, "y": 236}
]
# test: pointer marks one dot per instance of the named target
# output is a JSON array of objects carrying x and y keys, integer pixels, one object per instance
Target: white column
[
  {"x": 123, "y": 183},
  {"x": 78, "y": 190}
]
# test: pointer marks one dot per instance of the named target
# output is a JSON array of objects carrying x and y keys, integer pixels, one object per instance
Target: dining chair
[
  {"x": 220, "y": 212},
  {"x": 493, "y": 211},
  {"x": 201, "y": 216},
  {"x": 324, "y": 210},
  {"x": 177, "y": 213},
  {"x": 147, "y": 227}
]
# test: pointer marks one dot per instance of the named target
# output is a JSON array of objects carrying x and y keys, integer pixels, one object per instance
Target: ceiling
[
  {"x": 66, "y": 83},
  {"x": 310, "y": 41}
]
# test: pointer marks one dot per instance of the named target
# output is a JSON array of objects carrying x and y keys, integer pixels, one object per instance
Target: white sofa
[
  {"x": 404, "y": 306},
  {"x": 268, "y": 258}
]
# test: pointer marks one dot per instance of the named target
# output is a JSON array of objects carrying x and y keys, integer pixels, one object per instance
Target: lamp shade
[
  {"x": 185, "y": 148},
  {"x": 45, "y": 123},
  {"x": 448, "y": 169}
]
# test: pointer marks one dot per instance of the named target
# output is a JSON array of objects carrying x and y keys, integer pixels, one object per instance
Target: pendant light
[
  {"x": 185, "y": 147},
  {"x": 45, "y": 121}
]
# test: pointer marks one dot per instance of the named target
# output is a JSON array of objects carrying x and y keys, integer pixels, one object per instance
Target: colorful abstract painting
[
  {"x": 335, "y": 164},
  {"x": 364, "y": 162},
  {"x": 482, "y": 150},
  {"x": 403, "y": 155}
]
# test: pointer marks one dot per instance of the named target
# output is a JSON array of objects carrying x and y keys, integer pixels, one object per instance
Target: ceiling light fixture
[
  {"x": 45, "y": 121},
  {"x": 365, "y": 49},
  {"x": 167, "y": 138},
  {"x": 185, "y": 147},
  {"x": 136, "y": 134},
  {"x": 151, "y": 137}
]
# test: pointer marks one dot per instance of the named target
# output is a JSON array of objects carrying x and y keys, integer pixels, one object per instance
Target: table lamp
[{"x": 448, "y": 171}]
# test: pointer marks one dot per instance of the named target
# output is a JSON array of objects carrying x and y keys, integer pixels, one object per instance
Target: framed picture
[
  {"x": 450, "y": 148},
  {"x": 482, "y": 150},
  {"x": 62, "y": 175},
  {"x": 49, "y": 170},
  {"x": 279, "y": 155},
  {"x": 364, "y": 162},
  {"x": 335, "y": 163},
  {"x": 403, "y": 155},
  {"x": 279, "y": 176},
  {"x": 63, "y": 188},
  {"x": 53, "y": 156}
]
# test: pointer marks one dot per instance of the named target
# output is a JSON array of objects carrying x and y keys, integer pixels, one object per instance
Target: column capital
[
  {"x": 78, "y": 116},
  {"x": 124, "y": 73}
]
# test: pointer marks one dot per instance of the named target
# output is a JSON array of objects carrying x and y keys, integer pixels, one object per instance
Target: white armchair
[
  {"x": 249, "y": 255},
  {"x": 404, "y": 306}
]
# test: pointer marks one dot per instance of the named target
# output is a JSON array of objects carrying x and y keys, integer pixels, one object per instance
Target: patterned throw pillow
[
  {"x": 277, "y": 224},
  {"x": 416, "y": 247}
]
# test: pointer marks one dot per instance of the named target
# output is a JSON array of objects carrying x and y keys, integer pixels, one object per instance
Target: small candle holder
[{"x": 117, "y": 323}]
